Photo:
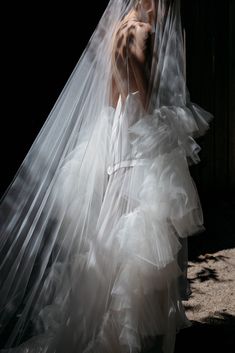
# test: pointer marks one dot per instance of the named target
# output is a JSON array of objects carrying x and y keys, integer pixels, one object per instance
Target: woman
[
  {"x": 132, "y": 40},
  {"x": 93, "y": 224}
]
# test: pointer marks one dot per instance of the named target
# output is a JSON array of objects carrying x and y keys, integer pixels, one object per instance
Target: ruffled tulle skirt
[{"x": 121, "y": 293}]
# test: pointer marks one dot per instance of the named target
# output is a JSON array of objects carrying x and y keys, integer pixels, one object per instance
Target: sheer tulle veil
[{"x": 47, "y": 238}]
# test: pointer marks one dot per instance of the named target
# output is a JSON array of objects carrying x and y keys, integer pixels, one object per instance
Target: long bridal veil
[{"x": 64, "y": 242}]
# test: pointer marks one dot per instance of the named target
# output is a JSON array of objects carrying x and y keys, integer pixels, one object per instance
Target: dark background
[
  {"x": 211, "y": 80},
  {"x": 42, "y": 42},
  {"x": 41, "y": 45}
]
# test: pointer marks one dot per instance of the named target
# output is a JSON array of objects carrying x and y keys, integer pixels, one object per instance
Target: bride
[{"x": 94, "y": 225}]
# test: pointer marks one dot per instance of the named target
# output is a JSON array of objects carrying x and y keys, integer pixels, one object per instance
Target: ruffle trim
[{"x": 168, "y": 127}]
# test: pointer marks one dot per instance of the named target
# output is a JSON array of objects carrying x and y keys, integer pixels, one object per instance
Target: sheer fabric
[{"x": 94, "y": 221}]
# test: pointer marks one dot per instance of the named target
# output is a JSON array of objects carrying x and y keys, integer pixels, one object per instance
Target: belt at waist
[{"x": 126, "y": 163}]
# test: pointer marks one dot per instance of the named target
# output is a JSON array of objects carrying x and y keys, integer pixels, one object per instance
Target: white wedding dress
[
  {"x": 127, "y": 288},
  {"x": 94, "y": 227}
]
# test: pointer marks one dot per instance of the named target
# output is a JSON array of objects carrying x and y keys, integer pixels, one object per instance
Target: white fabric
[
  {"x": 93, "y": 223},
  {"x": 147, "y": 204}
]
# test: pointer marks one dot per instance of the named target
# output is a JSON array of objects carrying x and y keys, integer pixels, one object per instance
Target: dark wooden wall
[{"x": 210, "y": 77}]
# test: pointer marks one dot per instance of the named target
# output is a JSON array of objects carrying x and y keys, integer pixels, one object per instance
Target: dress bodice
[
  {"x": 121, "y": 149},
  {"x": 138, "y": 136}
]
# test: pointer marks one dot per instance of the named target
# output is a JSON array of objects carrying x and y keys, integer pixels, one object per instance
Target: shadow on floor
[{"x": 214, "y": 335}]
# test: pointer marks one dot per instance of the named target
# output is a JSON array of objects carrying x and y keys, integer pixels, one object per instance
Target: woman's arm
[{"x": 138, "y": 54}]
